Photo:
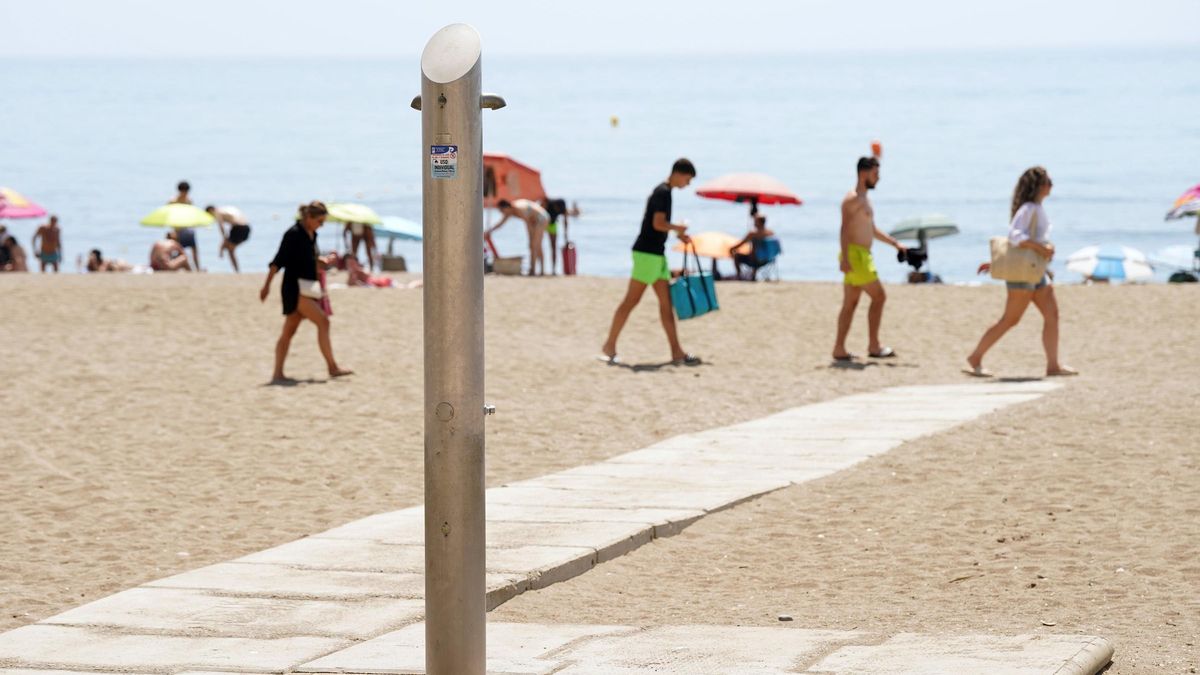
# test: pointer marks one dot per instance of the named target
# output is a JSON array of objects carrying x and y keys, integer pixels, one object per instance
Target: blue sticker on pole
[{"x": 443, "y": 161}]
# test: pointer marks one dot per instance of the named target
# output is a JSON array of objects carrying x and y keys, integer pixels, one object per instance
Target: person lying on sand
[{"x": 97, "y": 263}]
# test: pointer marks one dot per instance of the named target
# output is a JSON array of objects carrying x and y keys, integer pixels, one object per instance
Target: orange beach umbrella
[{"x": 506, "y": 178}]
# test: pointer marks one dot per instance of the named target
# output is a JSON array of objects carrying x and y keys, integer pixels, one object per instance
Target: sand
[{"x": 138, "y": 439}]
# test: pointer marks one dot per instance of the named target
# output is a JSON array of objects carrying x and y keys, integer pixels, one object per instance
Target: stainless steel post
[{"x": 452, "y": 159}]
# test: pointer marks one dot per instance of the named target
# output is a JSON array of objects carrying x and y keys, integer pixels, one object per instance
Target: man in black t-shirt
[{"x": 650, "y": 265}]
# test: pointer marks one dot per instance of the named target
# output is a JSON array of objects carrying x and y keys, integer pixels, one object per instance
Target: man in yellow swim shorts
[{"x": 858, "y": 233}]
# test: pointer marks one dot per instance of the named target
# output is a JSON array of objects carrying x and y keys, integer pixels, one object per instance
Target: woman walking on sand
[
  {"x": 1030, "y": 229},
  {"x": 300, "y": 290}
]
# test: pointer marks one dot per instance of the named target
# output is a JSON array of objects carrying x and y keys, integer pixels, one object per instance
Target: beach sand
[{"x": 138, "y": 439}]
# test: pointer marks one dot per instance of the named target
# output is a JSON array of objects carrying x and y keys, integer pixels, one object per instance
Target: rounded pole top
[{"x": 450, "y": 53}]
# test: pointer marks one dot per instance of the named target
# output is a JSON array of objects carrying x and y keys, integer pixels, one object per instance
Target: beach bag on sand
[
  {"x": 693, "y": 293},
  {"x": 1012, "y": 263}
]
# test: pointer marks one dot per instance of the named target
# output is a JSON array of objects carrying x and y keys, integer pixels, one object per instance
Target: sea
[{"x": 102, "y": 142}]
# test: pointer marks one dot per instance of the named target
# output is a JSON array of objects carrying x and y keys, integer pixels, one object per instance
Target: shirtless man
[
  {"x": 858, "y": 233},
  {"x": 186, "y": 235},
  {"x": 536, "y": 220},
  {"x": 239, "y": 230},
  {"x": 49, "y": 252},
  {"x": 168, "y": 256}
]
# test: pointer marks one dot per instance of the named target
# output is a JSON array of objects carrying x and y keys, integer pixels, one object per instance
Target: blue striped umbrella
[{"x": 1111, "y": 262}]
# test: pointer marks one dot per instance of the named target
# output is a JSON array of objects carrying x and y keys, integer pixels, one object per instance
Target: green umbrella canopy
[
  {"x": 178, "y": 215},
  {"x": 345, "y": 212},
  {"x": 934, "y": 225}
]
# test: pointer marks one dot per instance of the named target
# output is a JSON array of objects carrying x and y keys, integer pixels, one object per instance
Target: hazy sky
[{"x": 158, "y": 28}]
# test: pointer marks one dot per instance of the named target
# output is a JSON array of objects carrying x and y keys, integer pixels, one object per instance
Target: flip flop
[
  {"x": 1065, "y": 371},
  {"x": 613, "y": 360},
  {"x": 978, "y": 372},
  {"x": 687, "y": 360},
  {"x": 885, "y": 353},
  {"x": 844, "y": 359}
]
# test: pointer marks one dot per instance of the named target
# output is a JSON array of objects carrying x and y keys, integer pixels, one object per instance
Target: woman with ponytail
[
  {"x": 1029, "y": 229},
  {"x": 301, "y": 292}
]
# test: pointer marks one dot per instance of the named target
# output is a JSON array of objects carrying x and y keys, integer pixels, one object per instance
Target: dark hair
[
  {"x": 760, "y": 219},
  {"x": 183, "y": 186},
  {"x": 867, "y": 163},
  {"x": 503, "y": 204},
  {"x": 684, "y": 166},
  {"x": 96, "y": 252},
  {"x": 210, "y": 208},
  {"x": 1031, "y": 180},
  {"x": 313, "y": 209}
]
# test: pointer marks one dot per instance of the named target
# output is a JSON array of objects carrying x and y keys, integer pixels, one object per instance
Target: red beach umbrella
[{"x": 756, "y": 188}]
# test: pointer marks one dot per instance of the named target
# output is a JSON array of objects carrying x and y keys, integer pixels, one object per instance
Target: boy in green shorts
[{"x": 650, "y": 265}]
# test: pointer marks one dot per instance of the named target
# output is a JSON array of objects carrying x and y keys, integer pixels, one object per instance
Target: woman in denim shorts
[{"x": 1030, "y": 228}]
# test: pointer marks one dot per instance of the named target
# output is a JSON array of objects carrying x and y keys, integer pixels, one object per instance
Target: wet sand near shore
[{"x": 139, "y": 439}]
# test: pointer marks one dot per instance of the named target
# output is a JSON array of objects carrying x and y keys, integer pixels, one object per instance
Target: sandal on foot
[
  {"x": 885, "y": 353},
  {"x": 978, "y": 371},
  {"x": 1063, "y": 371},
  {"x": 687, "y": 360},
  {"x": 610, "y": 360}
]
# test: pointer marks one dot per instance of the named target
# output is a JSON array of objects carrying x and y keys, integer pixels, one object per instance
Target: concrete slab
[
  {"x": 760, "y": 444},
  {"x": 707, "y": 500},
  {"x": 281, "y": 581},
  {"x": 608, "y": 539},
  {"x": 199, "y": 613},
  {"x": 315, "y": 554},
  {"x": 666, "y": 522},
  {"x": 391, "y": 525},
  {"x": 72, "y": 647},
  {"x": 513, "y": 649},
  {"x": 712, "y": 650},
  {"x": 912, "y": 654},
  {"x": 684, "y": 477}
]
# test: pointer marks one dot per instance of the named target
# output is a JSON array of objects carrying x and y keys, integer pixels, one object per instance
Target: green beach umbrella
[
  {"x": 345, "y": 212},
  {"x": 931, "y": 226},
  {"x": 178, "y": 215}
]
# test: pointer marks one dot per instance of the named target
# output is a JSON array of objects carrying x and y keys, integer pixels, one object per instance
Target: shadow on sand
[{"x": 291, "y": 382}]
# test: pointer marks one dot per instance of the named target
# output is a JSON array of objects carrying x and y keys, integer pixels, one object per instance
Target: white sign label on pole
[{"x": 443, "y": 161}]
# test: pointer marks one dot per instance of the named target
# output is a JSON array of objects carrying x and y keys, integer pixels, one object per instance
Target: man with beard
[{"x": 858, "y": 233}]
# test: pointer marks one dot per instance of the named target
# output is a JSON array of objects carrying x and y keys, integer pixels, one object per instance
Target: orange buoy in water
[{"x": 614, "y": 121}]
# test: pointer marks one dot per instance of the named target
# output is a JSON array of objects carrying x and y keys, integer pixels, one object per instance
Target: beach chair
[{"x": 766, "y": 254}]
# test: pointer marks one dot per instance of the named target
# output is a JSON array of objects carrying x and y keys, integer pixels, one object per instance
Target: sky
[{"x": 399, "y": 28}]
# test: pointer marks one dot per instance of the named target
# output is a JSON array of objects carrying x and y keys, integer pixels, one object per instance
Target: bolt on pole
[{"x": 452, "y": 181}]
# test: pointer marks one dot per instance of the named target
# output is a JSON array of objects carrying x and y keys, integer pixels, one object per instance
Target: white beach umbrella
[{"x": 1111, "y": 262}]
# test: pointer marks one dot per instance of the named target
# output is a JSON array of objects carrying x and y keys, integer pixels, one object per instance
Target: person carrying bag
[
  {"x": 693, "y": 294},
  {"x": 1012, "y": 262},
  {"x": 1021, "y": 260}
]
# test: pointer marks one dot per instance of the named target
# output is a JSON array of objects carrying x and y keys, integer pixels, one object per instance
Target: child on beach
[
  {"x": 858, "y": 234},
  {"x": 650, "y": 265},
  {"x": 1030, "y": 229}
]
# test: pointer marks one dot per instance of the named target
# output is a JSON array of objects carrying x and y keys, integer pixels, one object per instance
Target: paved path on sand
[{"x": 358, "y": 587}]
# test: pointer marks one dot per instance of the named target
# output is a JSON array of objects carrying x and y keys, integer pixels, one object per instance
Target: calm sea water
[{"x": 101, "y": 143}]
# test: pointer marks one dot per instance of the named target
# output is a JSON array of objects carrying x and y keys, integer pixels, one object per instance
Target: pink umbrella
[
  {"x": 14, "y": 205},
  {"x": 1188, "y": 204},
  {"x": 756, "y": 188}
]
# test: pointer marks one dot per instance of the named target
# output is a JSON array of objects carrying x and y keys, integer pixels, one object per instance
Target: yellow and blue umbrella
[
  {"x": 178, "y": 215},
  {"x": 345, "y": 212}
]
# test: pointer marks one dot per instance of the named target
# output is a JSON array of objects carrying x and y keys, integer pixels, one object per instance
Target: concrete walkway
[{"x": 308, "y": 601}]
